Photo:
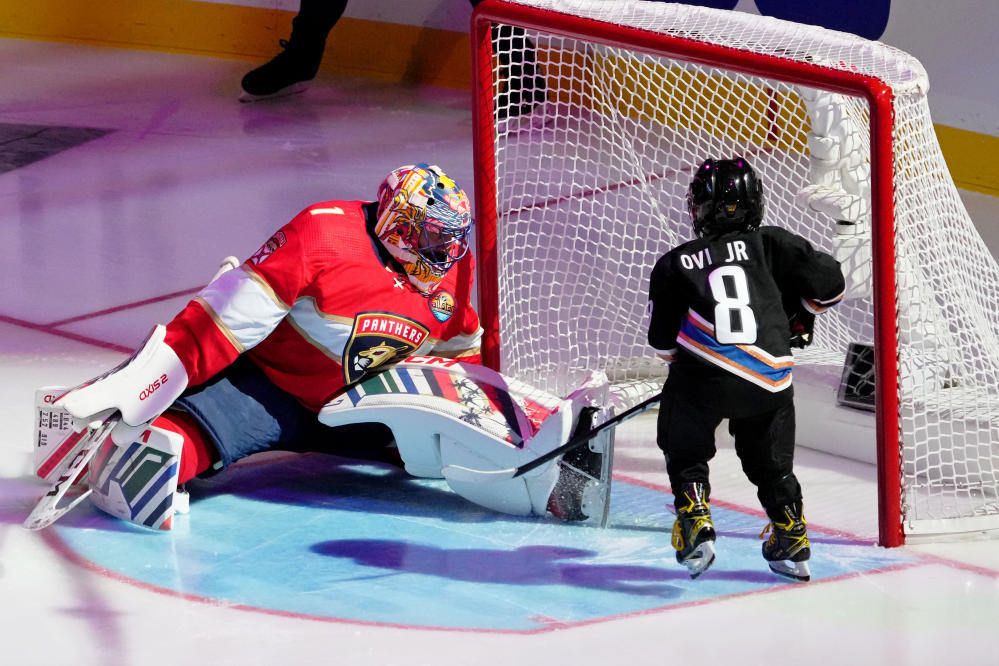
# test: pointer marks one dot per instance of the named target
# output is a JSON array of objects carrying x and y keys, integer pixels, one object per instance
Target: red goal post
[{"x": 666, "y": 49}]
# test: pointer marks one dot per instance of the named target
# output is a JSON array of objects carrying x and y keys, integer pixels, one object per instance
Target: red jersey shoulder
[
  {"x": 321, "y": 230},
  {"x": 270, "y": 246}
]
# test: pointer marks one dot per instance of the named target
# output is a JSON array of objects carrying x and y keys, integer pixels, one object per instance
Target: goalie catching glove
[{"x": 140, "y": 389}]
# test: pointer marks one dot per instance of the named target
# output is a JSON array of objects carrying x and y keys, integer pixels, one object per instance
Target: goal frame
[{"x": 880, "y": 98}]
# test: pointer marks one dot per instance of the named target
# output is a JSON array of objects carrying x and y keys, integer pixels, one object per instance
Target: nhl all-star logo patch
[
  {"x": 442, "y": 305},
  {"x": 379, "y": 339},
  {"x": 268, "y": 248}
]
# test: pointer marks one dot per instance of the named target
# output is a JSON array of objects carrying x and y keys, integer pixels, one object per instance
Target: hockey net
[{"x": 581, "y": 186}]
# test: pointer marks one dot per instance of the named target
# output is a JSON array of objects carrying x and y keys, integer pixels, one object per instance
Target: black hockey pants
[{"x": 764, "y": 443}]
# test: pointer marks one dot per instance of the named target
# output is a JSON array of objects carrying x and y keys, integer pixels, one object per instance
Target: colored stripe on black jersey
[
  {"x": 697, "y": 335},
  {"x": 817, "y": 306}
]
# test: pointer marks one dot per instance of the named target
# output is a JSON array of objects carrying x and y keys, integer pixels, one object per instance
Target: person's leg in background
[
  {"x": 522, "y": 87},
  {"x": 297, "y": 64}
]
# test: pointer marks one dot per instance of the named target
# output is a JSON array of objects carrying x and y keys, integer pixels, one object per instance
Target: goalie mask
[
  {"x": 423, "y": 221},
  {"x": 725, "y": 195}
]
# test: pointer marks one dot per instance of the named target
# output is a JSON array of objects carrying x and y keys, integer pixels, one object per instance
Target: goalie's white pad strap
[
  {"x": 141, "y": 388},
  {"x": 137, "y": 481},
  {"x": 523, "y": 496}
]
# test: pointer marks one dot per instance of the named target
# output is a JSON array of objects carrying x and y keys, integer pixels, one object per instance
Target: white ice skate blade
[
  {"x": 796, "y": 571},
  {"x": 293, "y": 89},
  {"x": 699, "y": 560}
]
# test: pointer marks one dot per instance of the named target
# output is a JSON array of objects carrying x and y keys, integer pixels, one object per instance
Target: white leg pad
[
  {"x": 137, "y": 482},
  {"x": 428, "y": 440},
  {"x": 443, "y": 412},
  {"x": 523, "y": 496}
]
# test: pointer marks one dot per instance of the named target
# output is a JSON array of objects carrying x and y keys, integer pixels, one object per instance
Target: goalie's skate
[
  {"x": 582, "y": 491},
  {"x": 693, "y": 532},
  {"x": 788, "y": 549}
]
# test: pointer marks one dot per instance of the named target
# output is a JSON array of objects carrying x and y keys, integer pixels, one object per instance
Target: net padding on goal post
[{"x": 577, "y": 198}]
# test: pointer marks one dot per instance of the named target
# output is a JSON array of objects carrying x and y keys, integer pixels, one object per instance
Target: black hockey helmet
[{"x": 725, "y": 195}]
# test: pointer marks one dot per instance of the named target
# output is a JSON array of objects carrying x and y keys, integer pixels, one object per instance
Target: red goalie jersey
[{"x": 319, "y": 306}]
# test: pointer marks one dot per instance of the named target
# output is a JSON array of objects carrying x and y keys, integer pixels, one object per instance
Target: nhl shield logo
[{"x": 377, "y": 340}]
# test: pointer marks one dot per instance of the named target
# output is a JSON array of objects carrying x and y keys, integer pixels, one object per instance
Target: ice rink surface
[{"x": 304, "y": 559}]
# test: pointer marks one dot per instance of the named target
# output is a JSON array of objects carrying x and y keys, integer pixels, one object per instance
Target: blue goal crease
[{"x": 357, "y": 544}]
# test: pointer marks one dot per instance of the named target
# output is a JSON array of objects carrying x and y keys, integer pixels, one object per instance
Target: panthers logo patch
[
  {"x": 268, "y": 248},
  {"x": 377, "y": 340}
]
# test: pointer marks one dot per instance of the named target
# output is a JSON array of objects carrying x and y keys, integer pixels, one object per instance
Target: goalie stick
[
  {"x": 460, "y": 473},
  {"x": 48, "y": 510}
]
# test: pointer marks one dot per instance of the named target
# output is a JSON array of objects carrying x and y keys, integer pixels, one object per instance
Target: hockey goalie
[{"x": 304, "y": 347}]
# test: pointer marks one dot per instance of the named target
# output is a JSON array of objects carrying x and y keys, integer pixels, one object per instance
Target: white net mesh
[{"x": 595, "y": 144}]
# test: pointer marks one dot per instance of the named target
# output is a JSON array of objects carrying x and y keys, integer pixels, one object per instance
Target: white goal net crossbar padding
[{"x": 590, "y": 119}]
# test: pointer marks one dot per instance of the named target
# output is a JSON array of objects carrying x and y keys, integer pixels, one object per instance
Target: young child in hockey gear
[{"x": 721, "y": 312}]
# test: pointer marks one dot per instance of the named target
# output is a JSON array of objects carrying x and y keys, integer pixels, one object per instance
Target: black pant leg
[
  {"x": 316, "y": 18},
  {"x": 765, "y": 446},
  {"x": 686, "y": 435}
]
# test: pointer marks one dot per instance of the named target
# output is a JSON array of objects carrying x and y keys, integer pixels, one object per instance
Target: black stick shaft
[{"x": 576, "y": 442}]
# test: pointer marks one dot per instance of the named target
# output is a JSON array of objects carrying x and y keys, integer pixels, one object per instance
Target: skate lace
[
  {"x": 697, "y": 523},
  {"x": 777, "y": 529}
]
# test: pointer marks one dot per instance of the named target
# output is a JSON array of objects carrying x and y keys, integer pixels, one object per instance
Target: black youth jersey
[{"x": 716, "y": 304}]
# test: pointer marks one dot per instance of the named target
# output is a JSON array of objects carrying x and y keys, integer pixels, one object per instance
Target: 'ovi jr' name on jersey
[{"x": 702, "y": 258}]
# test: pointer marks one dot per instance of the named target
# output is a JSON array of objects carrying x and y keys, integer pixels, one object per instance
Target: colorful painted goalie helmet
[{"x": 423, "y": 221}]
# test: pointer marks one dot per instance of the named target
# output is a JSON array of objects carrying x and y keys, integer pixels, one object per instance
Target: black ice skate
[
  {"x": 787, "y": 550},
  {"x": 289, "y": 72},
  {"x": 693, "y": 531},
  {"x": 566, "y": 500}
]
